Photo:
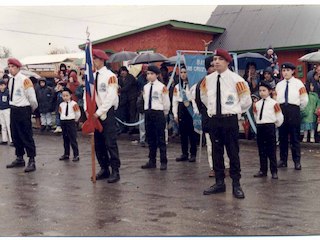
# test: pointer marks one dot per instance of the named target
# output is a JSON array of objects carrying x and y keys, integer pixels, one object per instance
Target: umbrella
[
  {"x": 172, "y": 61},
  {"x": 313, "y": 57},
  {"x": 261, "y": 61},
  {"x": 29, "y": 73},
  {"x": 148, "y": 58},
  {"x": 122, "y": 56}
]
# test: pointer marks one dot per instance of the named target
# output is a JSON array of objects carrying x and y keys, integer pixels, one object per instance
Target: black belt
[
  {"x": 15, "y": 107},
  {"x": 224, "y": 115}
]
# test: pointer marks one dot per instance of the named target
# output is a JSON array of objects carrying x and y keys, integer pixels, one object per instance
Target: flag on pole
[{"x": 92, "y": 122}]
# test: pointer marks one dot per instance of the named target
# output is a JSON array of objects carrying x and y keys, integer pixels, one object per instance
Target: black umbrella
[
  {"x": 148, "y": 58},
  {"x": 172, "y": 61},
  {"x": 245, "y": 58},
  {"x": 122, "y": 56}
]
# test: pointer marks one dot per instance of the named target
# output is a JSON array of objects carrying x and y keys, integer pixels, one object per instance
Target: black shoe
[
  {"x": 49, "y": 128},
  {"x": 3, "y": 143},
  {"x": 19, "y": 162},
  {"x": 274, "y": 176},
  {"x": 216, "y": 188},
  {"x": 148, "y": 165},
  {"x": 237, "y": 192},
  {"x": 114, "y": 177},
  {"x": 282, "y": 164},
  {"x": 182, "y": 158},
  {"x": 64, "y": 157},
  {"x": 192, "y": 159},
  {"x": 260, "y": 175},
  {"x": 297, "y": 166},
  {"x": 163, "y": 166},
  {"x": 42, "y": 128},
  {"x": 102, "y": 174},
  {"x": 11, "y": 144},
  {"x": 76, "y": 159},
  {"x": 31, "y": 166}
]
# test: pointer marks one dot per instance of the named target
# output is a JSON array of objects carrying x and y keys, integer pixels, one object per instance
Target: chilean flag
[{"x": 91, "y": 123}]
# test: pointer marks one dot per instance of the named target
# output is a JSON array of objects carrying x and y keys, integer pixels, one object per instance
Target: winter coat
[
  {"x": 308, "y": 115},
  {"x": 45, "y": 98},
  {"x": 79, "y": 95}
]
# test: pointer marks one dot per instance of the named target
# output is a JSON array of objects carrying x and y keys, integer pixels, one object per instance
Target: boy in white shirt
[{"x": 69, "y": 115}]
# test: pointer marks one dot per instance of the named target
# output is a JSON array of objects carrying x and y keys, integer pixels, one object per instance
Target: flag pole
[{"x": 93, "y": 158}]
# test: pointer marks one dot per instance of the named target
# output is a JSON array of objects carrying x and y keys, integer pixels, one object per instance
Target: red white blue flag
[{"x": 92, "y": 122}]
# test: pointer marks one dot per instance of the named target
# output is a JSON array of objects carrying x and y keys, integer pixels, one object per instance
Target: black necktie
[
  {"x": 185, "y": 85},
  {"x": 96, "y": 82},
  {"x": 218, "y": 107},
  {"x": 150, "y": 97},
  {"x": 12, "y": 88},
  {"x": 260, "y": 117},
  {"x": 67, "y": 109},
  {"x": 286, "y": 94}
]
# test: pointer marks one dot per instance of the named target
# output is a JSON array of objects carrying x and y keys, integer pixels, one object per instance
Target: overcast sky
[{"x": 28, "y": 31}]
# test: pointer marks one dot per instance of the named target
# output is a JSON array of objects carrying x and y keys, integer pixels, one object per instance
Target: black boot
[
  {"x": 219, "y": 187},
  {"x": 282, "y": 164},
  {"x": 103, "y": 173},
  {"x": 237, "y": 190},
  {"x": 115, "y": 176},
  {"x": 19, "y": 162},
  {"x": 31, "y": 165},
  {"x": 297, "y": 166},
  {"x": 182, "y": 158}
]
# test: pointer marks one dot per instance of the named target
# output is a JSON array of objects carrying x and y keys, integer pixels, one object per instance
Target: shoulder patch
[
  {"x": 165, "y": 90},
  {"x": 277, "y": 108},
  {"x": 27, "y": 83},
  {"x": 203, "y": 85},
  {"x": 76, "y": 108},
  {"x": 60, "y": 109},
  {"x": 175, "y": 91},
  {"x": 254, "y": 108},
  {"x": 112, "y": 80},
  {"x": 242, "y": 88},
  {"x": 302, "y": 91}
]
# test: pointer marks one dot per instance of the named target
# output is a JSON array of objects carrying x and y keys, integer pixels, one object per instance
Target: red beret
[
  {"x": 99, "y": 54},
  {"x": 223, "y": 53},
  {"x": 15, "y": 62}
]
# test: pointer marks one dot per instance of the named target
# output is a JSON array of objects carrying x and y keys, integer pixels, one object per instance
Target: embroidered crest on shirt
[
  {"x": 230, "y": 100},
  {"x": 102, "y": 87}
]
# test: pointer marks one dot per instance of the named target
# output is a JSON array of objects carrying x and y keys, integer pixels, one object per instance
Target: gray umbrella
[
  {"x": 29, "y": 73},
  {"x": 148, "y": 58},
  {"x": 313, "y": 57},
  {"x": 122, "y": 56},
  {"x": 172, "y": 61}
]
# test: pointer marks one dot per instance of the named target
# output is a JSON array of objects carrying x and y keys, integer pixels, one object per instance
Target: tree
[
  {"x": 59, "y": 51},
  {"x": 4, "y": 52}
]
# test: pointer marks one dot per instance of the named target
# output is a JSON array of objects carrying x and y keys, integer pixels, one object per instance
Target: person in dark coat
[
  {"x": 130, "y": 90},
  {"x": 45, "y": 98}
]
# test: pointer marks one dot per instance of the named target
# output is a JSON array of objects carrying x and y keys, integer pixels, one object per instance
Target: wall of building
[{"x": 164, "y": 40}]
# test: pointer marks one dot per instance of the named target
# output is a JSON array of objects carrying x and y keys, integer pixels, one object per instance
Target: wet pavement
[{"x": 60, "y": 200}]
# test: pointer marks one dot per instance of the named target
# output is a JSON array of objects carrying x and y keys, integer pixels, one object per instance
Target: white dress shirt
[
  {"x": 23, "y": 92},
  {"x": 297, "y": 93},
  {"x": 160, "y": 96},
  {"x": 235, "y": 93},
  {"x": 107, "y": 96},
  {"x": 271, "y": 112},
  {"x": 73, "y": 111}
]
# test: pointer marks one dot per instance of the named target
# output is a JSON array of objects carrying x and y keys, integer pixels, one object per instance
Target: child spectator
[
  {"x": 45, "y": 97},
  {"x": 308, "y": 115},
  {"x": 72, "y": 84},
  {"x": 268, "y": 115},
  {"x": 5, "y": 114},
  {"x": 69, "y": 115},
  {"x": 273, "y": 58},
  {"x": 58, "y": 99}
]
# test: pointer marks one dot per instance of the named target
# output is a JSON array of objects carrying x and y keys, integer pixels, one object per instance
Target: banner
[{"x": 195, "y": 68}]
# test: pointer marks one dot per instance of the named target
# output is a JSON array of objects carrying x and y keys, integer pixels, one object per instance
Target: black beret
[
  {"x": 207, "y": 62},
  {"x": 65, "y": 89},
  {"x": 268, "y": 70},
  {"x": 288, "y": 65},
  {"x": 255, "y": 95},
  {"x": 154, "y": 69},
  {"x": 2, "y": 82},
  {"x": 265, "y": 84}
]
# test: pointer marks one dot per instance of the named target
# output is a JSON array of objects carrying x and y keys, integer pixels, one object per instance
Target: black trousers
[
  {"x": 155, "y": 126},
  {"x": 21, "y": 130},
  {"x": 224, "y": 131},
  {"x": 266, "y": 139},
  {"x": 187, "y": 132},
  {"x": 69, "y": 134},
  {"x": 290, "y": 129},
  {"x": 105, "y": 143}
]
